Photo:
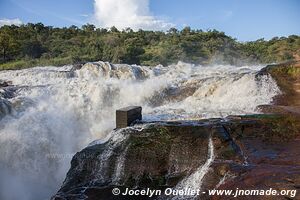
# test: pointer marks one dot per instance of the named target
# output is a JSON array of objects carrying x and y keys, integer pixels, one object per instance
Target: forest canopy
[{"x": 36, "y": 44}]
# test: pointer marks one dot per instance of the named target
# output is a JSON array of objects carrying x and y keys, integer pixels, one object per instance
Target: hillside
[{"x": 35, "y": 44}]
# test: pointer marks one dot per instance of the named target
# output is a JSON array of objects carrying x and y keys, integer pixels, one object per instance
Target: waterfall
[{"x": 59, "y": 111}]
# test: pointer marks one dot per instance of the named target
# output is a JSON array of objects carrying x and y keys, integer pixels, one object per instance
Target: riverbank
[
  {"x": 29, "y": 63},
  {"x": 287, "y": 76}
]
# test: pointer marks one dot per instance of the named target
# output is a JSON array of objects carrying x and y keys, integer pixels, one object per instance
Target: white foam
[
  {"x": 195, "y": 180},
  {"x": 61, "y": 112}
]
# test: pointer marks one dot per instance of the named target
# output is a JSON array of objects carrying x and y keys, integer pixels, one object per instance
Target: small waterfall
[
  {"x": 119, "y": 169},
  {"x": 101, "y": 173},
  {"x": 227, "y": 176},
  {"x": 116, "y": 139},
  {"x": 195, "y": 180}
]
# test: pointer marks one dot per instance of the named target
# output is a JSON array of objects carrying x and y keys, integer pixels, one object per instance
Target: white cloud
[
  {"x": 128, "y": 13},
  {"x": 16, "y": 22}
]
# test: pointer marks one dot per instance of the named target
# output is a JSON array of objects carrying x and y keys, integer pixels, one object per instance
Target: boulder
[{"x": 204, "y": 154}]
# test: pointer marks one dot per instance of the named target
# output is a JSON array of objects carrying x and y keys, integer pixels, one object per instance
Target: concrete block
[{"x": 125, "y": 116}]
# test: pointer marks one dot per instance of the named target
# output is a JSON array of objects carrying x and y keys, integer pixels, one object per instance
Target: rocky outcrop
[
  {"x": 287, "y": 76},
  {"x": 274, "y": 159},
  {"x": 5, "y": 107},
  {"x": 163, "y": 155},
  {"x": 6, "y": 92},
  {"x": 120, "y": 71}
]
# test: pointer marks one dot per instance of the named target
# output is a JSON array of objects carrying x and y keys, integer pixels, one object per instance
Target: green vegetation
[
  {"x": 285, "y": 128},
  {"x": 277, "y": 127},
  {"x": 286, "y": 75},
  {"x": 289, "y": 71},
  {"x": 35, "y": 44}
]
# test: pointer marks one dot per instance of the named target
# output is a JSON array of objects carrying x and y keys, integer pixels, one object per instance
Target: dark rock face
[
  {"x": 158, "y": 156},
  {"x": 4, "y": 83},
  {"x": 5, "y": 107},
  {"x": 162, "y": 155},
  {"x": 6, "y": 92}
]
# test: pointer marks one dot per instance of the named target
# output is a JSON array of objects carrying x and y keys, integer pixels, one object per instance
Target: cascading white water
[
  {"x": 57, "y": 111},
  {"x": 195, "y": 180}
]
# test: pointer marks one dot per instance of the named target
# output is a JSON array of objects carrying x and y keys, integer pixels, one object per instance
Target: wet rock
[
  {"x": 159, "y": 156},
  {"x": 5, "y": 83},
  {"x": 108, "y": 70},
  {"x": 5, "y": 107},
  {"x": 76, "y": 67},
  {"x": 162, "y": 155},
  {"x": 7, "y": 92}
]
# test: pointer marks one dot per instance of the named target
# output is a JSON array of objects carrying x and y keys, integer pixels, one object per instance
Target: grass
[
  {"x": 23, "y": 64},
  {"x": 293, "y": 71},
  {"x": 20, "y": 64},
  {"x": 284, "y": 76},
  {"x": 28, "y": 63},
  {"x": 290, "y": 71}
]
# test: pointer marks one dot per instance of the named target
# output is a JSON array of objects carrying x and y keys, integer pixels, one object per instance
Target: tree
[
  {"x": 4, "y": 44},
  {"x": 172, "y": 31},
  {"x": 8, "y": 44},
  {"x": 88, "y": 27},
  {"x": 33, "y": 49},
  {"x": 88, "y": 43},
  {"x": 186, "y": 30},
  {"x": 113, "y": 29}
]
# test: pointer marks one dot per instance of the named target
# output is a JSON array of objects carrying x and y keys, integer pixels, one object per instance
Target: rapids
[{"x": 55, "y": 112}]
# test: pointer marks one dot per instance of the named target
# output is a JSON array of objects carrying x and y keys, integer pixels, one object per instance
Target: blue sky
[{"x": 244, "y": 20}]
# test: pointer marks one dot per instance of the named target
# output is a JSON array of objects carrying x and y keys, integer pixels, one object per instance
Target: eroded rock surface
[{"x": 163, "y": 155}]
